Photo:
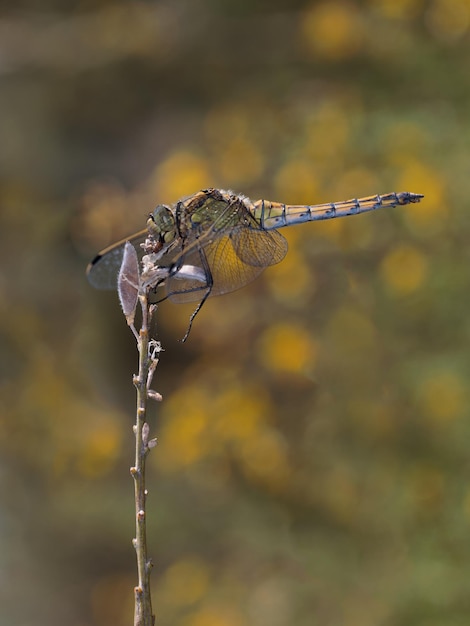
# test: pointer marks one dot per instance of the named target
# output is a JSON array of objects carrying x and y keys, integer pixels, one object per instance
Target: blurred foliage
[{"x": 312, "y": 465}]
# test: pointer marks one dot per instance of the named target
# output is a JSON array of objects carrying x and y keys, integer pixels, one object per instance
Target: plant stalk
[{"x": 143, "y": 615}]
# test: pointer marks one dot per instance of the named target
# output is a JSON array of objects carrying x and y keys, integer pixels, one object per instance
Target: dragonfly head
[{"x": 161, "y": 224}]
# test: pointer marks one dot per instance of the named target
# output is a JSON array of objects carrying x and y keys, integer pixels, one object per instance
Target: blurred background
[{"x": 313, "y": 463}]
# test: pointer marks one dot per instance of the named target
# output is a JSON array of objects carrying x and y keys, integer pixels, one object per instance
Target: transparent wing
[
  {"x": 103, "y": 271},
  {"x": 228, "y": 262},
  {"x": 258, "y": 247}
]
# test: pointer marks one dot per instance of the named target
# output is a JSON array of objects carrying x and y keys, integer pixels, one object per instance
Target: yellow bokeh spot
[
  {"x": 264, "y": 459},
  {"x": 240, "y": 161},
  {"x": 184, "y": 437},
  {"x": 99, "y": 450},
  {"x": 404, "y": 270},
  {"x": 182, "y": 173},
  {"x": 185, "y": 582},
  {"x": 405, "y": 140},
  {"x": 237, "y": 415},
  {"x": 398, "y": 9},
  {"x": 332, "y": 30},
  {"x": 333, "y": 230},
  {"x": 89, "y": 440},
  {"x": 285, "y": 347},
  {"x": 295, "y": 183},
  {"x": 237, "y": 153},
  {"x": 327, "y": 132},
  {"x": 104, "y": 211},
  {"x": 186, "y": 419},
  {"x": 443, "y": 396},
  {"x": 448, "y": 20},
  {"x": 293, "y": 280},
  {"x": 199, "y": 424},
  {"x": 214, "y": 616}
]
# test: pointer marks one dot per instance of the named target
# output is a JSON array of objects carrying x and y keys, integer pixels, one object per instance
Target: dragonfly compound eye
[{"x": 161, "y": 224}]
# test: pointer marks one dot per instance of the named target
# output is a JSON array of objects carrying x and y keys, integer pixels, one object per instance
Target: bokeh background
[{"x": 313, "y": 464}]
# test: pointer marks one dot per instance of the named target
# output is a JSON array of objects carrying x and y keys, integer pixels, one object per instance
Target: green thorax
[{"x": 211, "y": 210}]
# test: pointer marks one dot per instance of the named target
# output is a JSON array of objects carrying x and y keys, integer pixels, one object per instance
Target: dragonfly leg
[
  {"x": 193, "y": 315},
  {"x": 209, "y": 284}
]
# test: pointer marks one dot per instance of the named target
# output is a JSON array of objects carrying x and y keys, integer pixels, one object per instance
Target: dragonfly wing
[
  {"x": 103, "y": 271},
  {"x": 220, "y": 262},
  {"x": 258, "y": 247}
]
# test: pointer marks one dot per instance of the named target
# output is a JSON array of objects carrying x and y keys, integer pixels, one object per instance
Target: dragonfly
[{"x": 215, "y": 241}]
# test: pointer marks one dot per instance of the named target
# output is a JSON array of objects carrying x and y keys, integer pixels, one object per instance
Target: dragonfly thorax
[{"x": 161, "y": 224}]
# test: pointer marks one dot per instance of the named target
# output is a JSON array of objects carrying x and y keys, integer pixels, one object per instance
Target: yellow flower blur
[
  {"x": 285, "y": 347},
  {"x": 404, "y": 270},
  {"x": 332, "y": 30}
]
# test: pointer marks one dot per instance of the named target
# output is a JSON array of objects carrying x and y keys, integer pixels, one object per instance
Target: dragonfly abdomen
[{"x": 276, "y": 215}]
